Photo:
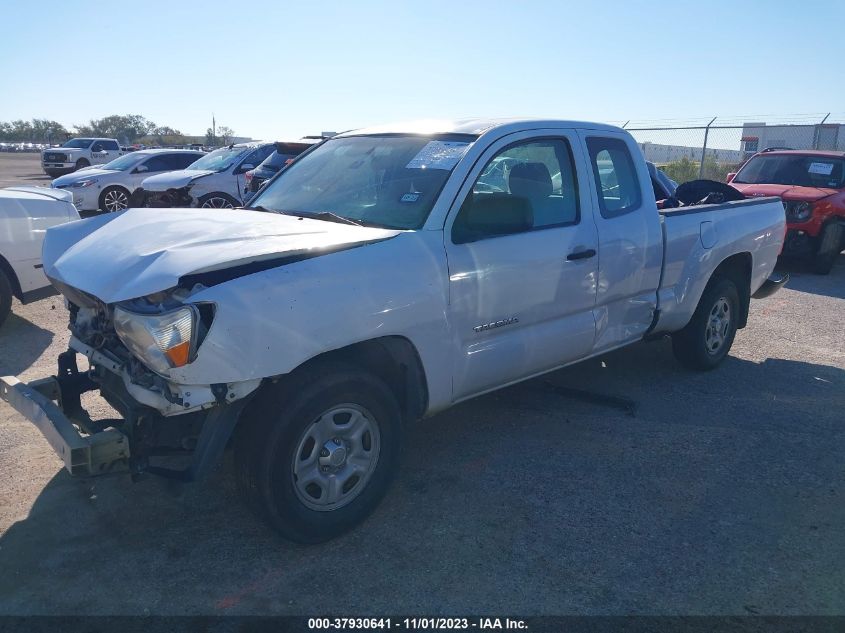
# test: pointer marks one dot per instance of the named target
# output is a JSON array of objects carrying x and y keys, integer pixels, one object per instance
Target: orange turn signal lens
[{"x": 178, "y": 354}]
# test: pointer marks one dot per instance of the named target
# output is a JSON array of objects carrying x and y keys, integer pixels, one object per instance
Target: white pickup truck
[
  {"x": 384, "y": 276},
  {"x": 78, "y": 153}
]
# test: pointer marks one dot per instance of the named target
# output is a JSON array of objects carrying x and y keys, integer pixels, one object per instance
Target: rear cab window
[{"x": 617, "y": 182}]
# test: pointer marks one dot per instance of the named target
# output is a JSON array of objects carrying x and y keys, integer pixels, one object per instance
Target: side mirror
[
  {"x": 140, "y": 169},
  {"x": 731, "y": 177}
]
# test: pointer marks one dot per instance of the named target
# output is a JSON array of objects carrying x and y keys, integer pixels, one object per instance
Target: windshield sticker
[
  {"x": 410, "y": 197},
  {"x": 438, "y": 155},
  {"x": 822, "y": 169}
]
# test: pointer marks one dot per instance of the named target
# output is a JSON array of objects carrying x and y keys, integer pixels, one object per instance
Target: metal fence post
[{"x": 704, "y": 149}]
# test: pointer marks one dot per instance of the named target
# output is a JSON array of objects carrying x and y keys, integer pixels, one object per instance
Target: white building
[{"x": 759, "y": 136}]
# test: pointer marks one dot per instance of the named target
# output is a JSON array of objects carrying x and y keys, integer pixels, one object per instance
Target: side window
[
  {"x": 181, "y": 161},
  {"x": 110, "y": 145},
  {"x": 528, "y": 186},
  {"x": 257, "y": 156},
  {"x": 617, "y": 184},
  {"x": 158, "y": 163},
  {"x": 97, "y": 147}
]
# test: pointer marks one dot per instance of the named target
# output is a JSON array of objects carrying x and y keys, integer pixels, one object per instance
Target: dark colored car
[{"x": 284, "y": 154}]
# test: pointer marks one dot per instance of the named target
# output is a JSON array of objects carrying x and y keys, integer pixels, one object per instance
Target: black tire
[
  {"x": 82, "y": 162},
  {"x": 212, "y": 201},
  {"x": 694, "y": 345},
  {"x": 5, "y": 296},
  {"x": 113, "y": 199},
  {"x": 275, "y": 432},
  {"x": 830, "y": 245}
]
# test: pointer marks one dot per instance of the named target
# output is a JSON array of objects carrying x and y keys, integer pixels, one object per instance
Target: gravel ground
[{"x": 722, "y": 494}]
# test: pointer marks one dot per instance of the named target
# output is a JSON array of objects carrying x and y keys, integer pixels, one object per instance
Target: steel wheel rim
[
  {"x": 718, "y": 325},
  {"x": 336, "y": 457},
  {"x": 217, "y": 203},
  {"x": 116, "y": 200}
]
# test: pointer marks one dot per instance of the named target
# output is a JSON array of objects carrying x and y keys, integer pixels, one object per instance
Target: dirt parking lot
[{"x": 724, "y": 493}]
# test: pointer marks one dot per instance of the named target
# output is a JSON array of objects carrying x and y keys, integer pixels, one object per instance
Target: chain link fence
[{"x": 714, "y": 148}]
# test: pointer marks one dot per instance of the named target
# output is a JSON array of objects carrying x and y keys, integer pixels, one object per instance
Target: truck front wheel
[
  {"x": 830, "y": 245},
  {"x": 82, "y": 162},
  {"x": 708, "y": 337},
  {"x": 316, "y": 452}
]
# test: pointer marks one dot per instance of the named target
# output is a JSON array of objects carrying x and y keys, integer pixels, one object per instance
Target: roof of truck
[{"x": 473, "y": 126}]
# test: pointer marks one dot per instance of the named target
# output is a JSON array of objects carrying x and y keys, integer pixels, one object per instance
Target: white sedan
[
  {"x": 108, "y": 187},
  {"x": 25, "y": 215}
]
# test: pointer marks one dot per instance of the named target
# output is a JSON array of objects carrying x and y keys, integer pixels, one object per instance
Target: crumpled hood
[
  {"x": 785, "y": 192},
  {"x": 142, "y": 251},
  {"x": 81, "y": 174},
  {"x": 173, "y": 179}
]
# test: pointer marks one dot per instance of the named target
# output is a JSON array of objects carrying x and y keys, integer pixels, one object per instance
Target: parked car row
[
  {"x": 23, "y": 147},
  {"x": 384, "y": 275},
  {"x": 222, "y": 179}
]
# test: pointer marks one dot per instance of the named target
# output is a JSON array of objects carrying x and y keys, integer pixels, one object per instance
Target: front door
[{"x": 522, "y": 245}]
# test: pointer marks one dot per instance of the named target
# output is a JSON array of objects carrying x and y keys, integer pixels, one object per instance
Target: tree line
[{"x": 127, "y": 129}]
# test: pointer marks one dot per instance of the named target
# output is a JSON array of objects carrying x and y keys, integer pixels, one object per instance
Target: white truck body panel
[
  {"x": 25, "y": 215},
  {"x": 337, "y": 284}
]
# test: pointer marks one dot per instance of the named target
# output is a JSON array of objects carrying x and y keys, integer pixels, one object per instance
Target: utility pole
[{"x": 213, "y": 130}]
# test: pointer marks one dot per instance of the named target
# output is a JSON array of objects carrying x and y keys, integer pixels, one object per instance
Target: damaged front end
[
  {"x": 131, "y": 347},
  {"x": 175, "y": 197}
]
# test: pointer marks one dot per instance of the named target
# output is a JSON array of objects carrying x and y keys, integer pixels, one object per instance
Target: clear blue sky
[{"x": 277, "y": 69}]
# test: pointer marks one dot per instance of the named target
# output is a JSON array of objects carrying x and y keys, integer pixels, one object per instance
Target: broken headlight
[{"x": 161, "y": 341}]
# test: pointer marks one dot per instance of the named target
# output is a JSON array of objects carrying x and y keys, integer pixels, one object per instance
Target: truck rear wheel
[
  {"x": 830, "y": 245},
  {"x": 707, "y": 338},
  {"x": 316, "y": 453},
  {"x": 5, "y": 296}
]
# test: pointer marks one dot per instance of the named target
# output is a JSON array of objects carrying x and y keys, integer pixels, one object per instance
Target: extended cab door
[
  {"x": 521, "y": 246},
  {"x": 630, "y": 237}
]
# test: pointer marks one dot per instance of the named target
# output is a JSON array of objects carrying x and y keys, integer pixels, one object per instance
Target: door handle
[{"x": 590, "y": 252}]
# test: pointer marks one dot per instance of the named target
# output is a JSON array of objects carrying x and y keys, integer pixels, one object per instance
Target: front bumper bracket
[{"x": 83, "y": 455}]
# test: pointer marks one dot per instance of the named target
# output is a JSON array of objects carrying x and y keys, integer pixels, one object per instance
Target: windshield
[
  {"x": 126, "y": 162},
  {"x": 793, "y": 169},
  {"x": 219, "y": 159},
  {"x": 79, "y": 143},
  {"x": 390, "y": 181}
]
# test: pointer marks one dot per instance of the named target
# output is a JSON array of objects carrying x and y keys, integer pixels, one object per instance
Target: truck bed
[{"x": 697, "y": 238}]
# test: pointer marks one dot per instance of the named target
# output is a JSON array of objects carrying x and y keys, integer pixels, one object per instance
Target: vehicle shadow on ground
[
  {"x": 524, "y": 500},
  {"x": 21, "y": 344},
  {"x": 803, "y": 279}
]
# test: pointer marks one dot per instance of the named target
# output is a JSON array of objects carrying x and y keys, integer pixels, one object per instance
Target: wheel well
[
  {"x": 738, "y": 269},
  {"x": 393, "y": 359},
  {"x": 6, "y": 267}
]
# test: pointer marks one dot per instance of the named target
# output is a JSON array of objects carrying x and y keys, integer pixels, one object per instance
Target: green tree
[
  {"x": 226, "y": 134},
  {"x": 681, "y": 171},
  {"x": 125, "y": 128}
]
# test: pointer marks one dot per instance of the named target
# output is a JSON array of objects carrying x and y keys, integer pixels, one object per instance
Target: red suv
[{"x": 811, "y": 185}]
